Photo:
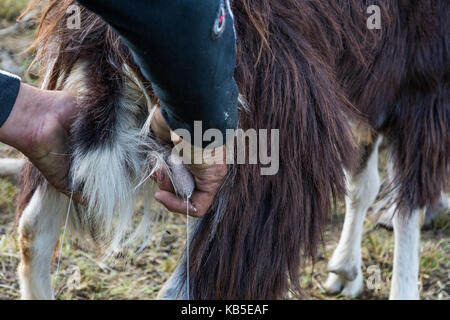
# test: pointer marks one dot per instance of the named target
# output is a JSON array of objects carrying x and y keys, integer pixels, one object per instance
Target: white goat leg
[
  {"x": 39, "y": 229},
  {"x": 345, "y": 264},
  {"x": 405, "y": 274}
]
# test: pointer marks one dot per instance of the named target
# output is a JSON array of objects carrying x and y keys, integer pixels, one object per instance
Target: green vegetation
[{"x": 11, "y": 9}]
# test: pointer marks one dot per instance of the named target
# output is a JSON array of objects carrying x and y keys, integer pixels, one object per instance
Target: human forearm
[
  {"x": 17, "y": 129},
  {"x": 31, "y": 117}
]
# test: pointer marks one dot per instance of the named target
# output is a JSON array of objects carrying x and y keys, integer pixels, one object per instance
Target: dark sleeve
[
  {"x": 187, "y": 49},
  {"x": 9, "y": 90}
]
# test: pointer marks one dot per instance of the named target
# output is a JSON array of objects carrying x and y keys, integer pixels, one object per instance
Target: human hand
[
  {"x": 38, "y": 126},
  {"x": 208, "y": 177}
]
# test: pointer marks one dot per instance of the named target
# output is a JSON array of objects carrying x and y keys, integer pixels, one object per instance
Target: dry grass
[{"x": 83, "y": 277}]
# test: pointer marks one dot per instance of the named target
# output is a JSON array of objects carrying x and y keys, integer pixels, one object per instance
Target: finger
[
  {"x": 174, "y": 204},
  {"x": 201, "y": 201},
  {"x": 163, "y": 181}
]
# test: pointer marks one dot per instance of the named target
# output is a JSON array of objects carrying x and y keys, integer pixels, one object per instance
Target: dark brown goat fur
[{"x": 306, "y": 68}]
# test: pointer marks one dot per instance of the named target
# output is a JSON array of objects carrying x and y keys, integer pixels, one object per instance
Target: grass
[{"x": 10, "y": 10}]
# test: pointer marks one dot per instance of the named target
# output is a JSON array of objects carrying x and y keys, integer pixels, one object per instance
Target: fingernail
[{"x": 157, "y": 197}]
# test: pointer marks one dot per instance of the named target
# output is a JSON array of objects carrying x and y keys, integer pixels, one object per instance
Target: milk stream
[{"x": 187, "y": 247}]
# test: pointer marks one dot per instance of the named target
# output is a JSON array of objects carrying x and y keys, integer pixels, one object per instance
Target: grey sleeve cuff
[{"x": 9, "y": 90}]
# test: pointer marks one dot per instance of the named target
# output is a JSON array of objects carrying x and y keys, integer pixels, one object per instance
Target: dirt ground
[{"x": 82, "y": 276}]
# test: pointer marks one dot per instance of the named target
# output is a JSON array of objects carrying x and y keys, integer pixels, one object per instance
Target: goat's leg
[
  {"x": 39, "y": 229},
  {"x": 405, "y": 274},
  {"x": 345, "y": 264}
]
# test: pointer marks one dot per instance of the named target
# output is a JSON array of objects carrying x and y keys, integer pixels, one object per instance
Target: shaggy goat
[{"x": 307, "y": 68}]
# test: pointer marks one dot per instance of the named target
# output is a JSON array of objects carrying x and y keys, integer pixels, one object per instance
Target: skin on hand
[
  {"x": 208, "y": 178},
  {"x": 38, "y": 127}
]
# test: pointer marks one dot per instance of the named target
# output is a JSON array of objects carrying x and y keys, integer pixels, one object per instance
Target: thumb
[{"x": 175, "y": 204}]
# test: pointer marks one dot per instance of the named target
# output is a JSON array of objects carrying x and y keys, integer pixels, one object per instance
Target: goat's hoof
[
  {"x": 333, "y": 285},
  {"x": 338, "y": 284},
  {"x": 342, "y": 267}
]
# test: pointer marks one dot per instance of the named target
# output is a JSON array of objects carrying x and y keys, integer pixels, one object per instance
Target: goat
[{"x": 311, "y": 69}]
